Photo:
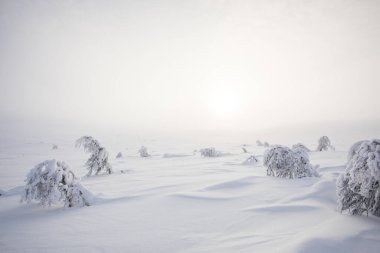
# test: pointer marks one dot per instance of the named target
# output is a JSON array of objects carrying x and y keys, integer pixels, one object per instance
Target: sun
[{"x": 224, "y": 103}]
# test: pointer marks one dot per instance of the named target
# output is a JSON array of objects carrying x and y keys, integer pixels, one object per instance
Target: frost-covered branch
[
  {"x": 98, "y": 160},
  {"x": 284, "y": 162},
  {"x": 300, "y": 146},
  {"x": 358, "y": 188},
  {"x": 143, "y": 151},
  {"x": 51, "y": 182},
  {"x": 324, "y": 144},
  {"x": 252, "y": 160},
  {"x": 210, "y": 152}
]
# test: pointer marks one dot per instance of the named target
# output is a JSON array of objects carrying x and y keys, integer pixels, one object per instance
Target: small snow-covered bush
[
  {"x": 259, "y": 143},
  {"x": 54, "y": 146},
  {"x": 287, "y": 163},
  {"x": 300, "y": 146},
  {"x": 98, "y": 160},
  {"x": 266, "y": 144},
  {"x": 252, "y": 160},
  {"x": 144, "y": 152},
  {"x": 244, "y": 150},
  {"x": 209, "y": 152},
  {"x": 324, "y": 144},
  {"x": 358, "y": 189},
  {"x": 51, "y": 182},
  {"x": 119, "y": 155}
]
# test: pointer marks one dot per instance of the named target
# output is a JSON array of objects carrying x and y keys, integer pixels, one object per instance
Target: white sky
[{"x": 190, "y": 64}]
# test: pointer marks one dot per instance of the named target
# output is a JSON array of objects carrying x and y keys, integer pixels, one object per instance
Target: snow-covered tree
[
  {"x": 259, "y": 143},
  {"x": 51, "y": 182},
  {"x": 252, "y": 160},
  {"x": 266, "y": 144},
  {"x": 358, "y": 189},
  {"x": 54, "y": 146},
  {"x": 303, "y": 168},
  {"x": 244, "y": 150},
  {"x": 324, "y": 144},
  {"x": 119, "y": 155},
  {"x": 144, "y": 152},
  {"x": 210, "y": 152},
  {"x": 98, "y": 160},
  {"x": 300, "y": 146},
  {"x": 284, "y": 162}
]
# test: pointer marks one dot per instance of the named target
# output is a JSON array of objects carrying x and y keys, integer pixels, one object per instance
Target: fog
[{"x": 187, "y": 65}]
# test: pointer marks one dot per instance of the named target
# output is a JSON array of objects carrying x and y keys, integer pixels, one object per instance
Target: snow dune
[{"x": 184, "y": 204}]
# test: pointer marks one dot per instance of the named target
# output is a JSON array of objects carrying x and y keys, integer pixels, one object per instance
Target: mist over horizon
[
  {"x": 342, "y": 133},
  {"x": 187, "y": 66}
]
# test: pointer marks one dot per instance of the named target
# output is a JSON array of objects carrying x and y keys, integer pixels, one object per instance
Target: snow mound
[
  {"x": 284, "y": 162},
  {"x": 358, "y": 188}
]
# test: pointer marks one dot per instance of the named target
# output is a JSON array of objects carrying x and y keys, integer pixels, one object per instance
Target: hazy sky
[{"x": 190, "y": 64}]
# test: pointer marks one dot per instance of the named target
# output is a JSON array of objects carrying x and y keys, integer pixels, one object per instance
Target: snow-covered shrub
[
  {"x": 51, "y": 182},
  {"x": 358, "y": 189},
  {"x": 300, "y": 146},
  {"x": 259, "y": 143},
  {"x": 54, "y": 146},
  {"x": 119, "y": 155},
  {"x": 210, "y": 152},
  {"x": 252, "y": 160},
  {"x": 287, "y": 163},
  {"x": 324, "y": 144},
  {"x": 303, "y": 168},
  {"x": 244, "y": 150},
  {"x": 98, "y": 160},
  {"x": 266, "y": 144},
  {"x": 144, "y": 152}
]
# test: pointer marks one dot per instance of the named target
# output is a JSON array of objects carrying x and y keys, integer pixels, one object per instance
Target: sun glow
[{"x": 224, "y": 104}]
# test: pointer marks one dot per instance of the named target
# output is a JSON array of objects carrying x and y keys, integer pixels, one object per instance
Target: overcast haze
[{"x": 242, "y": 65}]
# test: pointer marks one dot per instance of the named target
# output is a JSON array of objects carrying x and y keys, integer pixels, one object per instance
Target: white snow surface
[{"x": 187, "y": 203}]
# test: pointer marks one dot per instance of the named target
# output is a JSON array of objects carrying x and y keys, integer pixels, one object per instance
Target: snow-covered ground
[{"x": 178, "y": 201}]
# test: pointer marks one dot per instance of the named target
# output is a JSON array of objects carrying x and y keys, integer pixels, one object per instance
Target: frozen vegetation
[
  {"x": 262, "y": 144},
  {"x": 324, "y": 144},
  {"x": 210, "y": 152},
  {"x": 358, "y": 187},
  {"x": 301, "y": 147},
  {"x": 252, "y": 160},
  {"x": 180, "y": 202},
  {"x": 284, "y": 162},
  {"x": 51, "y": 182},
  {"x": 143, "y": 151},
  {"x": 98, "y": 160}
]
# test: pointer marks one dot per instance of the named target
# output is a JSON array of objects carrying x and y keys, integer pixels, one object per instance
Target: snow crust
[{"x": 187, "y": 203}]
